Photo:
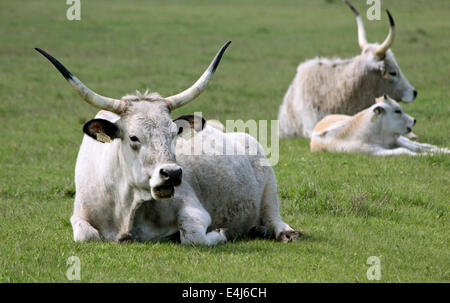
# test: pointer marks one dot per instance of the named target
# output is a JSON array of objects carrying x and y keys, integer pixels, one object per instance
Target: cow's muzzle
[
  {"x": 164, "y": 181},
  {"x": 171, "y": 176}
]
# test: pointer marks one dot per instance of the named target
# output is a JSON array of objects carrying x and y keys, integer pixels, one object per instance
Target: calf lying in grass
[{"x": 378, "y": 130}]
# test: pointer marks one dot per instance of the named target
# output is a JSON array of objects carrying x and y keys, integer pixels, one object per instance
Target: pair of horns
[
  {"x": 362, "y": 38},
  {"x": 118, "y": 106}
]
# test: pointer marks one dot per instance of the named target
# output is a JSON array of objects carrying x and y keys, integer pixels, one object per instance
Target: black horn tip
[
  {"x": 391, "y": 20},
  {"x": 219, "y": 56},
  {"x": 352, "y": 8},
  {"x": 64, "y": 71}
]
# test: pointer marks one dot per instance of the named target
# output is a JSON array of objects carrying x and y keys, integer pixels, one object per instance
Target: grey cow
[
  {"x": 134, "y": 183},
  {"x": 342, "y": 86}
]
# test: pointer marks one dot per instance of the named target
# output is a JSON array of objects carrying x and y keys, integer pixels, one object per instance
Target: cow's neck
[
  {"x": 362, "y": 86},
  {"x": 126, "y": 197}
]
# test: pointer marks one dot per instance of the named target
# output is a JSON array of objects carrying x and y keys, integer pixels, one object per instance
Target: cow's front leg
[
  {"x": 421, "y": 147},
  {"x": 83, "y": 231},
  {"x": 414, "y": 146},
  {"x": 393, "y": 152},
  {"x": 124, "y": 233},
  {"x": 193, "y": 223}
]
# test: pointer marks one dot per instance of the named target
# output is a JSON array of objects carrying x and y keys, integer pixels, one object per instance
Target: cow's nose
[
  {"x": 415, "y": 94},
  {"x": 171, "y": 175}
]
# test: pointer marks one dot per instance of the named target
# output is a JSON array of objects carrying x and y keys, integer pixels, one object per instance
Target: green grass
[{"x": 350, "y": 206}]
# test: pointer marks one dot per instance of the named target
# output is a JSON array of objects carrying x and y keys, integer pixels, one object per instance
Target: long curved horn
[
  {"x": 382, "y": 49},
  {"x": 362, "y": 38},
  {"x": 113, "y": 105},
  {"x": 192, "y": 92}
]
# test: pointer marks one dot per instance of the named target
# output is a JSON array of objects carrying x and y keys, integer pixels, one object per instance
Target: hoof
[{"x": 289, "y": 236}]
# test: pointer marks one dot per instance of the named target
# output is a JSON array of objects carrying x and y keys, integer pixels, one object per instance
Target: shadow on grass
[{"x": 237, "y": 246}]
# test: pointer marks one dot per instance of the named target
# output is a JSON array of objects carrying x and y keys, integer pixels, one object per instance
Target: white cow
[
  {"x": 336, "y": 86},
  {"x": 377, "y": 130},
  {"x": 133, "y": 184}
]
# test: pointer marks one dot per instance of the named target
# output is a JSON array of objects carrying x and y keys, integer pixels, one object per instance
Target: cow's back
[
  {"x": 328, "y": 131},
  {"x": 320, "y": 87}
]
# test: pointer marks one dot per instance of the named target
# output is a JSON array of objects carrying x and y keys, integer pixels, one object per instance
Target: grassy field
[{"x": 350, "y": 206}]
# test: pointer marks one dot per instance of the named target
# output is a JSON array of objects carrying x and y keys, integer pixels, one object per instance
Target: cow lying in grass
[
  {"x": 378, "y": 130},
  {"x": 343, "y": 86},
  {"x": 132, "y": 184}
]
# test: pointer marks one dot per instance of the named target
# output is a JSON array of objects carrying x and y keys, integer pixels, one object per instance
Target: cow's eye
[
  {"x": 134, "y": 139},
  {"x": 398, "y": 111},
  {"x": 393, "y": 74}
]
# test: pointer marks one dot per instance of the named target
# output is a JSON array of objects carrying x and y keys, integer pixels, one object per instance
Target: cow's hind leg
[
  {"x": 270, "y": 216},
  {"x": 83, "y": 231}
]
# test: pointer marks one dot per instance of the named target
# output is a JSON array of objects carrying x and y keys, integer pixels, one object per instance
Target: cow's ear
[
  {"x": 101, "y": 130},
  {"x": 378, "y": 110},
  {"x": 192, "y": 121}
]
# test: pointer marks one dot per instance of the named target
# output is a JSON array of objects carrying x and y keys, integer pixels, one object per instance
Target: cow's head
[
  {"x": 390, "y": 118},
  {"x": 144, "y": 130},
  {"x": 382, "y": 63}
]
